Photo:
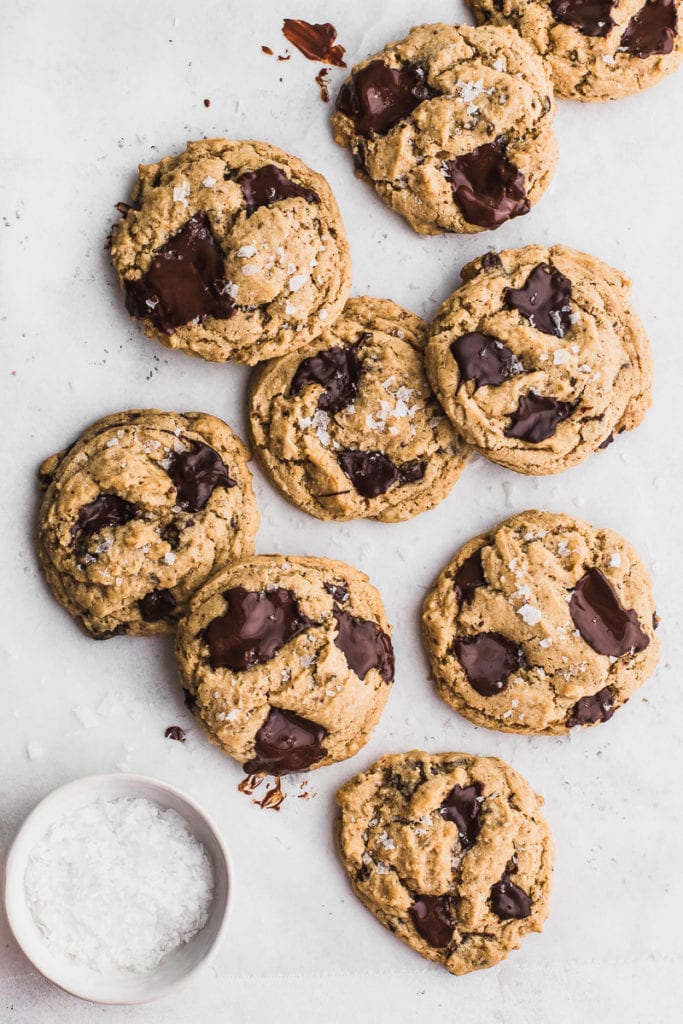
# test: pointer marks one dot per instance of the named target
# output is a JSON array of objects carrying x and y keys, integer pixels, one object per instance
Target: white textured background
[{"x": 89, "y": 90}]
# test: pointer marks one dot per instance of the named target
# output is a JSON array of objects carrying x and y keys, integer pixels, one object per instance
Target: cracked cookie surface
[
  {"x": 348, "y": 427},
  {"x": 540, "y": 625},
  {"x": 138, "y": 513},
  {"x": 232, "y": 250},
  {"x": 452, "y": 126},
  {"x": 595, "y": 49},
  {"x": 450, "y": 852},
  {"x": 286, "y": 661},
  {"x": 539, "y": 358}
]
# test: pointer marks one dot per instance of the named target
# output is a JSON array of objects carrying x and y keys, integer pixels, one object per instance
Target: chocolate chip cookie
[
  {"x": 138, "y": 513},
  {"x": 540, "y": 625},
  {"x": 286, "y": 662},
  {"x": 450, "y": 852},
  {"x": 232, "y": 250},
  {"x": 452, "y": 126},
  {"x": 595, "y": 49},
  {"x": 539, "y": 358},
  {"x": 349, "y": 428}
]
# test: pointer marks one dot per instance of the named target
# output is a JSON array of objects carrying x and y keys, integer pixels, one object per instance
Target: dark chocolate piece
[
  {"x": 185, "y": 281},
  {"x": 602, "y": 620},
  {"x": 411, "y": 472},
  {"x": 377, "y": 97},
  {"x": 174, "y": 732},
  {"x": 536, "y": 417},
  {"x": 105, "y": 510},
  {"x": 157, "y": 605},
  {"x": 482, "y": 358},
  {"x": 590, "y": 17},
  {"x": 337, "y": 369},
  {"x": 315, "y": 41},
  {"x": 254, "y": 627},
  {"x": 508, "y": 901},
  {"x": 338, "y": 591},
  {"x": 488, "y": 188},
  {"x": 286, "y": 742},
  {"x": 433, "y": 920},
  {"x": 488, "y": 660},
  {"x": 469, "y": 576},
  {"x": 270, "y": 185},
  {"x": 364, "y": 645},
  {"x": 651, "y": 30},
  {"x": 599, "y": 707},
  {"x": 544, "y": 300},
  {"x": 462, "y": 806},
  {"x": 491, "y": 261},
  {"x": 196, "y": 474}
]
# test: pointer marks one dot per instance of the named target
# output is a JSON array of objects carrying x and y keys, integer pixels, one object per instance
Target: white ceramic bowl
[{"x": 116, "y": 987}]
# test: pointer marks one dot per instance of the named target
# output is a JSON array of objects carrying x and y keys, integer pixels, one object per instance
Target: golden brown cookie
[
  {"x": 539, "y": 357},
  {"x": 452, "y": 126},
  {"x": 232, "y": 250},
  {"x": 450, "y": 852},
  {"x": 595, "y": 49},
  {"x": 349, "y": 428},
  {"x": 286, "y": 662},
  {"x": 138, "y": 513},
  {"x": 542, "y": 624}
]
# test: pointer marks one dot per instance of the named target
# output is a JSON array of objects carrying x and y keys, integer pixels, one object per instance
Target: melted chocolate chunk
[
  {"x": 364, "y": 645},
  {"x": 537, "y": 416},
  {"x": 462, "y": 806},
  {"x": 337, "y": 369},
  {"x": 105, "y": 510},
  {"x": 469, "y": 576},
  {"x": 157, "y": 605},
  {"x": 543, "y": 300},
  {"x": 491, "y": 261},
  {"x": 184, "y": 282},
  {"x": 488, "y": 660},
  {"x": 378, "y": 97},
  {"x": 433, "y": 920},
  {"x": 371, "y": 473},
  {"x": 602, "y": 620},
  {"x": 482, "y": 358},
  {"x": 315, "y": 41},
  {"x": 411, "y": 472},
  {"x": 286, "y": 743},
  {"x": 254, "y": 627},
  {"x": 196, "y": 474},
  {"x": 174, "y": 732},
  {"x": 338, "y": 592},
  {"x": 508, "y": 901},
  {"x": 270, "y": 185},
  {"x": 651, "y": 30},
  {"x": 590, "y": 17},
  {"x": 488, "y": 188},
  {"x": 599, "y": 707}
]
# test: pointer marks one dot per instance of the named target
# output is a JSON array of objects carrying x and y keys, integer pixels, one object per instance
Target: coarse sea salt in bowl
[{"x": 129, "y": 816}]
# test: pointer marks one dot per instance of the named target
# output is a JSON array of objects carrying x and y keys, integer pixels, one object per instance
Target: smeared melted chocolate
[
  {"x": 482, "y": 358},
  {"x": 105, "y": 510},
  {"x": 537, "y": 416},
  {"x": 543, "y": 300},
  {"x": 508, "y": 901},
  {"x": 364, "y": 645},
  {"x": 254, "y": 627},
  {"x": 270, "y": 185},
  {"x": 317, "y": 42},
  {"x": 462, "y": 806},
  {"x": 373, "y": 473},
  {"x": 433, "y": 920},
  {"x": 337, "y": 369},
  {"x": 286, "y": 742},
  {"x": 599, "y": 707},
  {"x": 602, "y": 620},
  {"x": 377, "y": 97},
  {"x": 196, "y": 474},
  {"x": 487, "y": 187},
  {"x": 590, "y": 17},
  {"x": 488, "y": 660},
  {"x": 469, "y": 576},
  {"x": 651, "y": 30},
  {"x": 157, "y": 605}
]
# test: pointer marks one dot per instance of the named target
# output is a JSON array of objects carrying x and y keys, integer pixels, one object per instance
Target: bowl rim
[{"x": 15, "y": 866}]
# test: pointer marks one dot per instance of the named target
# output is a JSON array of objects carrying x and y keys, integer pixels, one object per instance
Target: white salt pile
[{"x": 118, "y": 884}]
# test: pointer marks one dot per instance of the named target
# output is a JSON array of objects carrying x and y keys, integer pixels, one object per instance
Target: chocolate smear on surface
[
  {"x": 256, "y": 625},
  {"x": 337, "y": 369},
  {"x": 483, "y": 359},
  {"x": 462, "y": 806},
  {"x": 317, "y": 42},
  {"x": 286, "y": 742},
  {"x": 488, "y": 660},
  {"x": 269, "y": 185},
  {"x": 543, "y": 300},
  {"x": 469, "y": 576},
  {"x": 537, "y": 416},
  {"x": 651, "y": 30},
  {"x": 364, "y": 645},
  {"x": 487, "y": 187},
  {"x": 599, "y": 707},
  {"x": 433, "y": 920},
  {"x": 323, "y": 84},
  {"x": 602, "y": 620},
  {"x": 378, "y": 97},
  {"x": 590, "y": 17}
]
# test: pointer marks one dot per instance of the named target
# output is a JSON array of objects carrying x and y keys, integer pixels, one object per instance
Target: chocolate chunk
[
  {"x": 105, "y": 510},
  {"x": 364, "y": 645},
  {"x": 254, "y": 627},
  {"x": 491, "y": 261},
  {"x": 433, "y": 920},
  {"x": 174, "y": 732},
  {"x": 462, "y": 806},
  {"x": 371, "y": 473},
  {"x": 469, "y": 576},
  {"x": 482, "y": 358},
  {"x": 599, "y": 707},
  {"x": 543, "y": 300},
  {"x": 651, "y": 30},
  {"x": 378, "y": 97},
  {"x": 185, "y": 282},
  {"x": 157, "y": 605},
  {"x": 286, "y": 743},
  {"x": 602, "y": 620},
  {"x": 270, "y": 185},
  {"x": 338, "y": 591},
  {"x": 196, "y": 474},
  {"x": 315, "y": 41},
  {"x": 107, "y": 634},
  {"x": 337, "y": 369},
  {"x": 411, "y": 472},
  {"x": 590, "y": 17},
  {"x": 488, "y": 660},
  {"x": 488, "y": 188},
  {"x": 606, "y": 443},
  {"x": 508, "y": 901},
  {"x": 537, "y": 416}
]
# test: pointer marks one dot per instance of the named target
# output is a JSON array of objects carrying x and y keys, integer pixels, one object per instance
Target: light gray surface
[{"x": 96, "y": 88}]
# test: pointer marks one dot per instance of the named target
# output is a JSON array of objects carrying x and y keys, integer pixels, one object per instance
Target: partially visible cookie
[
  {"x": 286, "y": 662},
  {"x": 450, "y": 852},
  {"x": 452, "y": 126},
  {"x": 138, "y": 513},
  {"x": 349, "y": 428},
  {"x": 595, "y": 49},
  {"x": 542, "y": 624},
  {"x": 539, "y": 357},
  {"x": 232, "y": 250}
]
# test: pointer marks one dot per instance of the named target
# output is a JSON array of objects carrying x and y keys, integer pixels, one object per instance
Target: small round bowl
[{"x": 116, "y": 986}]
